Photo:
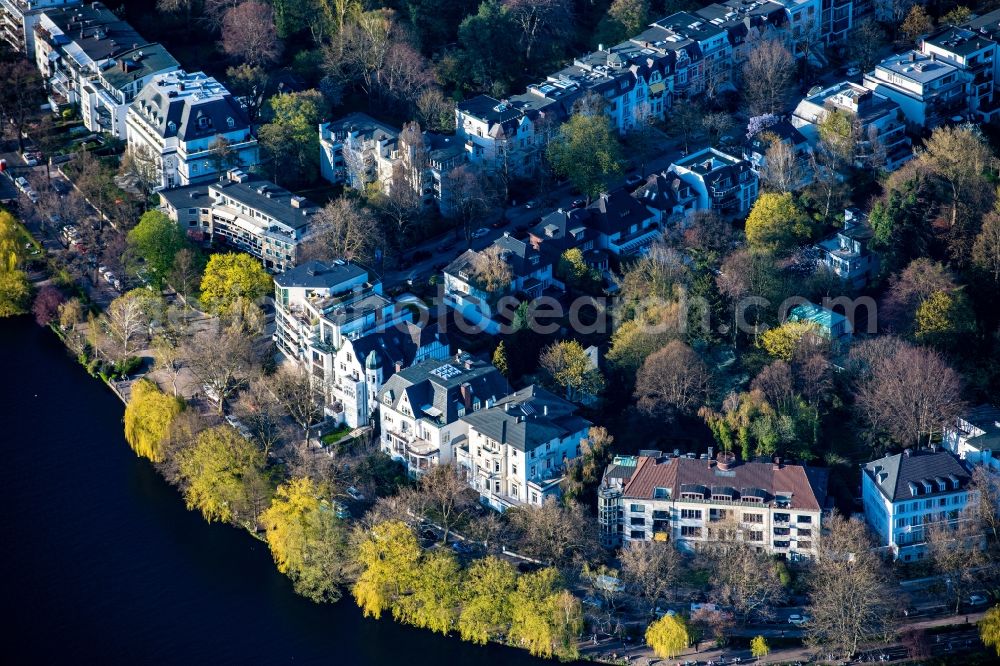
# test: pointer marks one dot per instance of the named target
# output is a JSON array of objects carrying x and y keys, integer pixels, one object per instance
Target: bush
[
  {"x": 125, "y": 367},
  {"x": 68, "y": 114}
]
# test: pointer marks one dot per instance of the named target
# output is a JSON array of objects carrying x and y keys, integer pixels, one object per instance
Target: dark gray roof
[
  {"x": 527, "y": 419},
  {"x": 897, "y": 476},
  {"x": 318, "y": 275},
  {"x": 615, "y": 212},
  {"x": 438, "y": 386},
  {"x": 98, "y": 31},
  {"x": 189, "y": 106},
  {"x": 396, "y": 344},
  {"x": 987, "y": 419},
  {"x": 366, "y": 127},
  {"x": 138, "y": 63},
  {"x": 270, "y": 199}
]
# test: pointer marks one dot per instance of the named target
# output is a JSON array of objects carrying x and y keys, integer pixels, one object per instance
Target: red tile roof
[{"x": 806, "y": 486}]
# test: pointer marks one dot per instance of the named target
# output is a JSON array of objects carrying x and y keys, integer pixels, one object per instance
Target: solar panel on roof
[{"x": 446, "y": 371}]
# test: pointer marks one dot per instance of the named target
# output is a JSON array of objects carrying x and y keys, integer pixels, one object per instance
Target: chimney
[
  {"x": 913, "y": 56},
  {"x": 468, "y": 363},
  {"x": 777, "y": 462},
  {"x": 907, "y": 452},
  {"x": 466, "y": 389},
  {"x": 503, "y": 432},
  {"x": 399, "y": 366}
]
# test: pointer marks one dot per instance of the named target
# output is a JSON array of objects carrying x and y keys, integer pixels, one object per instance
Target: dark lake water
[{"x": 104, "y": 564}]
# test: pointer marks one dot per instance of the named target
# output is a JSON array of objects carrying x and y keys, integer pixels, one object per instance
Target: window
[
  {"x": 496, "y": 465},
  {"x": 534, "y": 497},
  {"x": 637, "y": 534},
  {"x": 756, "y": 535},
  {"x": 694, "y": 514},
  {"x": 805, "y": 544},
  {"x": 804, "y": 519},
  {"x": 781, "y": 517},
  {"x": 513, "y": 469},
  {"x": 781, "y": 531},
  {"x": 637, "y": 508},
  {"x": 753, "y": 518},
  {"x": 687, "y": 531},
  {"x": 637, "y": 521},
  {"x": 231, "y": 123}
]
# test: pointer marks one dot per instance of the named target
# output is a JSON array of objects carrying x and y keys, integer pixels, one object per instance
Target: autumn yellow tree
[
  {"x": 783, "y": 341},
  {"x": 148, "y": 416},
  {"x": 917, "y": 22},
  {"x": 487, "y": 600},
  {"x": 759, "y": 647},
  {"x": 232, "y": 276},
  {"x": 546, "y": 618},
  {"x": 776, "y": 222},
  {"x": 224, "y": 477},
  {"x": 389, "y": 555},
  {"x": 667, "y": 636},
  {"x": 989, "y": 628},
  {"x": 571, "y": 370},
  {"x": 435, "y": 594},
  {"x": 307, "y": 540}
]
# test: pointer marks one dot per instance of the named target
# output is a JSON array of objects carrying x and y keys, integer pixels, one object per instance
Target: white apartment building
[
  {"x": 715, "y": 181},
  {"x": 847, "y": 254},
  {"x": 904, "y": 492},
  {"x": 180, "y": 120},
  {"x": 695, "y": 501},
  {"x": 531, "y": 275},
  {"x": 928, "y": 89},
  {"x": 974, "y": 436},
  {"x": 92, "y": 59},
  {"x": 319, "y": 305},
  {"x": 975, "y": 56},
  {"x": 516, "y": 451},
  {"x": 361, "y": 152},
  {"x": 245, "y": 213},
  {"x": 421, "y": 408},
  {"x": 877, "y": 122},
  {"x": 18, "y": 19},
  {"x": 362, "y": 365}
]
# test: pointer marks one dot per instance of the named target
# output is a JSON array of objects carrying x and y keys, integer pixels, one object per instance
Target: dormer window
[
  {"x": 230, "y": 123},
  {"x": 202, "y": 121},
  {"x": 172, "y": 126}
]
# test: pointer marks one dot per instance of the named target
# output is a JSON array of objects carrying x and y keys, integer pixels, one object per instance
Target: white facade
[
  {"x": 904, "y": 492},
  {"x": 695, "y": 502},
  {"x": 18, "y": 19},
  {"x": 176, "y": 121},
  {"x": 717, "y": 181},
  {"x": 929, "y": 90},
  {"x": 974, "y": 436}
]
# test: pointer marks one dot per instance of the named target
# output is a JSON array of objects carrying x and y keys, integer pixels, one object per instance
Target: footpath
[{"x": 615, "y": 651}]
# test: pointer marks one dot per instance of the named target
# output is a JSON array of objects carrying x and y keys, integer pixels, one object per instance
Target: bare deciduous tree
[
  {"x": 344, "y": 230},
  {"x": 851, "y": 598},
  {"x": 652, "y": 568},
  {"x": 445, "y": 497},
  {"x": 782, "y": 171},
  {"x": 466, "y": 196},
  {"x": 300, "y": 394},
  {"x": 539, "y": 19},
  {"x": 671, "y": 381},
  {"x": 554, "y": 533},
  {"x": 768, "y": 74},
  {"x": 248, "y": 33},
  {"x": 910, "y": 394},
  {"x": 954, "y": 544},
  {"x": 742, "y": 578},
  {"x": 128, "y": 319},
  {"x": 261, "y": 414},
  {"x": 493, "y": 273},
  {"x": 222, "y": 360}
]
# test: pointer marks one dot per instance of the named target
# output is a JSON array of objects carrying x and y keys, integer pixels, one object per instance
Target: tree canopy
[
  {"x": 307, "y": 539},
  {"x": 156, "y": 239},
  {"x": 231, "y": 276},
  {"x": 148, "y": 417},
  {"x": 668, "y": 636},
  {"x": 587, "y": 152},
  {"x": 776, "y": 222}
]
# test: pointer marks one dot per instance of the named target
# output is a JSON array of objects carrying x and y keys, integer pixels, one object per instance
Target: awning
[{"x": 657, "y": 87}]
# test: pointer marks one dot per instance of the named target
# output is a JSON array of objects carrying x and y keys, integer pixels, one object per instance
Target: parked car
[
  {"x": 32, "y": 196},
  {"x": 853, "y": 71},
  {"x": 30, "y": 159},
  {"x": 210, "y": 392},
  {"x": 341, "y": 511},
  {"x": 354, "y": 494},
  {"x": 977, "y": 599},
  {"x": 480, "y": 232},
  {"x": 579, "y": 203},
  {"x": 22, "y": 183},
  {"x": 108, "y": 276},
  {"x": 633, "y": 182},
  {"x": 798, "y": 620}
]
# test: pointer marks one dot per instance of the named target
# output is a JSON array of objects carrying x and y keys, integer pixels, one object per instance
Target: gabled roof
[
  {"x": 902, "y": 476},
  {"x": 616, "y": 211},
  {"x": 527, "y": 419},
  {"x": 396, "y": 344},
  {"x": 189, "y": 106},
  {"x": 437, "y": 389}
]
